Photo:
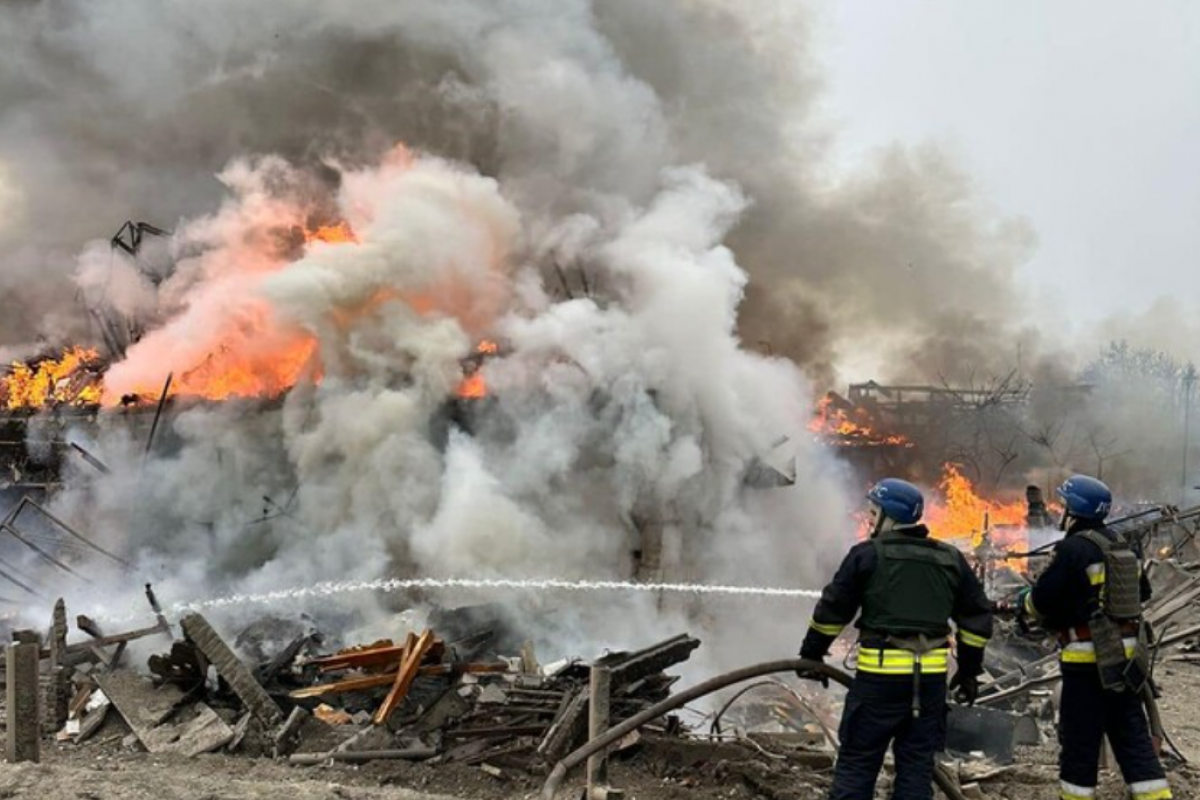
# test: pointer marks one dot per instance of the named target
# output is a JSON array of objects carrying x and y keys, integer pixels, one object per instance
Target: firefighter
[
  {"x": 1091, "y": 595},
  {"x": 908, "y": 586}
]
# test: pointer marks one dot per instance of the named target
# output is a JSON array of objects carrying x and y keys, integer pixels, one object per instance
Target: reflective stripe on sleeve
[{"x": 827, "y": 629}]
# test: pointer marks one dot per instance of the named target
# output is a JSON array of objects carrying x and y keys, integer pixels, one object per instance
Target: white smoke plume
[{"x": 623, "y": 194}]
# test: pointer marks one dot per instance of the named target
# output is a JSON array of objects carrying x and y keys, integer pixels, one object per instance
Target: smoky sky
[{"x": 130, "y": 110}]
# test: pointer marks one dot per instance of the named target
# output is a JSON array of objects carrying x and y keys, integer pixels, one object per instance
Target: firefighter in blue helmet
[
  {"x": 908, "y": 588},
  {"x": 1091, "y": 595}
]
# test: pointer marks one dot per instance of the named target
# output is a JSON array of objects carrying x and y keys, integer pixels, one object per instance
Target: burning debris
[
  {"x": 843, "y": 424},
  {"x": 73, "y": 379}
]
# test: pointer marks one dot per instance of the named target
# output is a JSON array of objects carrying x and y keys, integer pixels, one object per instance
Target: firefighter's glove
[
  {"x": 810, "y": 653},
  {"x": 1020, "y": 601},
  {"x": 815, "y": 675},
  {"x": 965, "y": 688}
]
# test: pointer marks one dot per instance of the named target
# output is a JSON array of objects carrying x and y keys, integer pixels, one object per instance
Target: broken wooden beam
[
  {"x": 228, "y": 666},
  {"x": 413, "y": 657},
  {"x": 362, "y": 756},
  {"x": 387, "y": 679},
  {"x": 74, "y": 652},
  {"x": 626, "y": 668},
  {"x": 568, "y": 727},
  {"x": 495, "y": 732},
  {"x": 288, "y": 737}
]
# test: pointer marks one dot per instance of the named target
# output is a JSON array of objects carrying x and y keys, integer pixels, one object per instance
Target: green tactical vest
[{"x": 913, "y": 588}]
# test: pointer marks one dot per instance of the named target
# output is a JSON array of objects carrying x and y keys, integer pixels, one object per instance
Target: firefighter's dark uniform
[
  {"x": 1064, "y": 599},
  {"x": 906, "y": 602}
]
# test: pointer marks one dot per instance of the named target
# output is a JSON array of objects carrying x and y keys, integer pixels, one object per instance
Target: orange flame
[
  {"x": 341, "y": 233},
  {"x": 223, "y": 376},
  {"x": 962, "y": 514},
  {"x": 956, "y": 513},
  {"x": 72, "y": 379},
  {"x": 850, "y": 428},
  {"x": 473, "y": 386}
]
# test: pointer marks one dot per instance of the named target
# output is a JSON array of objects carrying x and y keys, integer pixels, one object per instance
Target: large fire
[
  {"x": 254, "y": 357},
  {"x": 960, "y": 513},
  {"x": 853, "y": 427},
  {"x": 72, "y": 379},
  {"x": 957, "y": 513},
  {"x": 76, "y": 379}
]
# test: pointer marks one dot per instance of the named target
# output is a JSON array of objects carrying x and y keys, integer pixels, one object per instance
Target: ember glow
[
  {"x": 72, "y": 379},
  {"x": 849, "y": 428}
]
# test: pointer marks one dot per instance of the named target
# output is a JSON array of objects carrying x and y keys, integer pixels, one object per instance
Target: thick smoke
[
  {"x": 631, "y": 197},
  {"x": 623, "y": 415},
  {"x": 575, "y": 107}
]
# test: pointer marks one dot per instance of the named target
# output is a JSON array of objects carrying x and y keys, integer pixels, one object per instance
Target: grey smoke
[{"x": 666, "y": 154}]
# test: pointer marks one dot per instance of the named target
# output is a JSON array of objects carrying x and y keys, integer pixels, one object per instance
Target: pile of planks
[{"x": 419, "y": 697}]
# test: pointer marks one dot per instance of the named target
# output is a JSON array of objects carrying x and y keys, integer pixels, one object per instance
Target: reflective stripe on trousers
[
  {"x": 1143, "y": 790},
  {"x": 1070, "y": 791},
  {"x": 1157, "y": 789}
]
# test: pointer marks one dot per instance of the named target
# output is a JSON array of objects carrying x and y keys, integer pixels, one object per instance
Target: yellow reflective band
[
  {"x": 1085, "y": 652},
  {"x": 902, "y": 662},
  {"x": 1069, "y": 791},
  {"x": 1160, "y": 794},
  {"x": 1095, "y": 574},
  {"x": 828, "y": 630},
  {"x": 1152, "y": 788},
  {"x": 1079, "y": 653},
  {"x": 972, "y": 639}
]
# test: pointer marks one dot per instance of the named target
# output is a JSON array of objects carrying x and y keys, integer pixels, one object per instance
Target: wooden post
[
  {"x": 24, "y": 718},
  {"x": 598, "y": 719},
  {"x": 55, "y": 681}
]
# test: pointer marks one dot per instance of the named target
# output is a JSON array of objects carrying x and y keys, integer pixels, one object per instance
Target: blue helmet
[
  {"x": 1085, "y": 498},
  {"x": 898, "y": 500}
]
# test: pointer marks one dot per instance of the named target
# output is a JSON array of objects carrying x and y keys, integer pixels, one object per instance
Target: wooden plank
[
  {"x": 405, "y": 677},
  {"x": 388, "y": 679},
  {"x": 381, "y": 656}
]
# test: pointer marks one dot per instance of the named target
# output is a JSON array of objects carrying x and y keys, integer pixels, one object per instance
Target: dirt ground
[{"x": 104, "y": 769}]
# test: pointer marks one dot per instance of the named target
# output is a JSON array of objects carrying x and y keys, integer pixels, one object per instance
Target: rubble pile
[
  {"x": 420, "y": 698},
  {"x": 465, "y": 691}
]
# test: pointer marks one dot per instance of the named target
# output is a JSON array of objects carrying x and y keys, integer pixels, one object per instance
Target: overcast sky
[{"x": 1081, "y": 115}]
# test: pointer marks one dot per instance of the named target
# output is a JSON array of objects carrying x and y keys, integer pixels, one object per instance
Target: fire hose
[{"x": 941, "y": 776}]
